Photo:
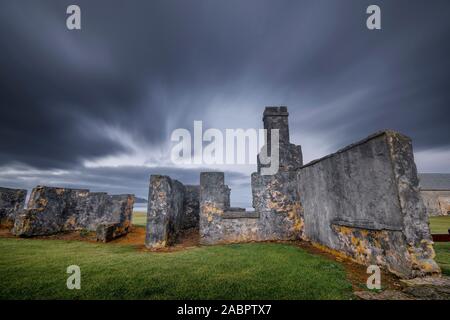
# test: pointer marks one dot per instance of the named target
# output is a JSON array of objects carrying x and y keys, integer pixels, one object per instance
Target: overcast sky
[{"x": 95, "y": 108}]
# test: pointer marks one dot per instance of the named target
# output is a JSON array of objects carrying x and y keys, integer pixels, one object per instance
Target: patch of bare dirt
[{"x": 187, "y": 239}]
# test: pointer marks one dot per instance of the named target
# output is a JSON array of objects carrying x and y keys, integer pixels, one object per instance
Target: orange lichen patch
[
  {"x": 422, "y": 258},
  {"x": 338, "y": 254},
  {"x": 59, "y": 191},
  {"x": 209, "y": 210},
  {"x": 299, "y": 224},
  {"x": 294, "y": 214},
  {"x": 42, "y": 202},
  {"x": 345, "y": 230},
  {"x": 71, "y": 222},
  {"x": 158, "y": 245},
  {"x": 364, "y": 246}
]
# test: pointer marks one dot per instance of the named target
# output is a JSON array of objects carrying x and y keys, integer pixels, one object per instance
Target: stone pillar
[
  {"x": 165, "y": 210},
  {"x": 277, "y": 118},
  {"x": 214, "y": 200},
  {"x": 11, "y": 202}
]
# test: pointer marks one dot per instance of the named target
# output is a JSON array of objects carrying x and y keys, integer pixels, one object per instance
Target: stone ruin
[
  {"x": 362, "y": 203},
  {"x": 173, "y": 208},
  {"x": 437, "y": 202},
  {"x": 11, "y": 202},
  {"x": 54, "y": 210}
]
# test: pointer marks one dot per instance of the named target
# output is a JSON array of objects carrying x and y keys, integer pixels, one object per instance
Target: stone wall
[
  {"x": 11, "y": 202},
  {"x": 277, "y": 202},
  {"x": 363, "y": 202},
  {"x": 52, "y": 210},
  {"x": 437, "y": 202},
  {"x": 172, "y": 208},
  {"x": 219, "y": 223}
]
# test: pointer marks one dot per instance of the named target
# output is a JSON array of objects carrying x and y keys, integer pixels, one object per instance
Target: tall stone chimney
[
  {"x": 277, "y": 118},
  {"x": 291, "y": 157}
]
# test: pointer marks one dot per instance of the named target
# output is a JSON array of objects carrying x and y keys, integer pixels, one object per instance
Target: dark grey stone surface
[
  {"x": 364, "y": 201},
  {"x": 117, "y": 220},
  {"x": 172, "y": 208},
  {"x": 11, "y": 202},
  {"x": 52, "y": 210},
  {"x": 191, "y": 205}
]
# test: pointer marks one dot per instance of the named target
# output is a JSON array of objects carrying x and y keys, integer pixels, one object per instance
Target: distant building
[{"x": 435, "y": 191}]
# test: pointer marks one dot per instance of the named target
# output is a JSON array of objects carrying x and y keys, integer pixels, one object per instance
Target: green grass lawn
[
  {"x": 36, "y": 269},
  {"x": 440, "y": 224},
  {"x": 443, "y": 256}
]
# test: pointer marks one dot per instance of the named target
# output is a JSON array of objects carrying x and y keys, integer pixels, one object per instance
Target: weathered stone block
[
  {"x": 12, "y": 201},
  {"x": 52, "y": 210},
  {"x": 364, "y": 202},
  {"x": 165, "y": 211},
  {"x": 117, "y": 220}
]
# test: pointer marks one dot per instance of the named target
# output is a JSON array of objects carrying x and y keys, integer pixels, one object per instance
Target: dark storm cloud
[
  {"x": 125, "y": 179},
  {"x": 145, "y": 68}
]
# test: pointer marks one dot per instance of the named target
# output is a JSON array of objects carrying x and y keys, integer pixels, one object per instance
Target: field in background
[
  {"x": 139, "y": 218},
  {"x": 443, "y": 256},
  {"x": 440, "y": 224}
]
